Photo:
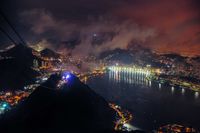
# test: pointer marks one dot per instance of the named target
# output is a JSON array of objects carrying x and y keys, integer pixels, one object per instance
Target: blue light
[
  {"x": 4, "y": 105},
  {"x": 66, "y": 76}
]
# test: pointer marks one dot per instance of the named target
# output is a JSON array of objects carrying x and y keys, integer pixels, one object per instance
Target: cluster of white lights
[
  {"x": 66, "y": 76},
  {"x": 130, "y": 70}
]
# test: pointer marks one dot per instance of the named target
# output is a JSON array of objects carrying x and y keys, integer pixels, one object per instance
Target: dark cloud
[
  {"x": 95, "y": 25},
  {"x": 100, "y": 34},
  {"x": 72, "y": 43},
  {"x": 102, "y": 37}
]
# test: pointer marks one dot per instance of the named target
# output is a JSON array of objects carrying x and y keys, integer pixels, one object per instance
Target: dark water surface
[{"x": 151, "y": 104}]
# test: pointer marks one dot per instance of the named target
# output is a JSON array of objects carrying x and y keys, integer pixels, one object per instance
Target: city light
[
  {"x": 4, "y": 107},
  {"x": 66, "y": 76},
  {"x": 92, "y": 65},
  {"x": 133, "y": 69}
]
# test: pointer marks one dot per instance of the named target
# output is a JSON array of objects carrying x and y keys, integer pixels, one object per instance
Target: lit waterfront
[
  {"x": 9, "y": 99},
  {"x": 133, "y": 89},
  {"x": 123, "y": 118},
  {"x": 129, "y": 75},
  {"x": 138, "y": 76},
  {"x": 152, "y": 103}
]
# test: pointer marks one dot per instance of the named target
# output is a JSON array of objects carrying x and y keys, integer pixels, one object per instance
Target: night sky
[{"x": 92, "y": 26}]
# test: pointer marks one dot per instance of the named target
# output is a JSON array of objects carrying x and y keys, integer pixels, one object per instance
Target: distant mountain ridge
[
  {"x": 16, "y": 65},
  {"x": 136, "y": 54},
  {"x": 49, "y": 53},
  {"x": 16, "y": 71}
]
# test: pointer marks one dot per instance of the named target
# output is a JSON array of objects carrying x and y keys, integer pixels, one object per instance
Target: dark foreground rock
[{"x": 72, "y": 109}]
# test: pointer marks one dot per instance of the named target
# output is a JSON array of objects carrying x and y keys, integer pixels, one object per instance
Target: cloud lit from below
[{"x": 162, "y": 26}]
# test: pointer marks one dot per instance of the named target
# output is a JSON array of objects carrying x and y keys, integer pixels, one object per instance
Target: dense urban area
[{"x": 172, "y": 69}]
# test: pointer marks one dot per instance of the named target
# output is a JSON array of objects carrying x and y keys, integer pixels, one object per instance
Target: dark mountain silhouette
[
  {"x": 121, "y": 55},
  {"x": 16, "y": 71},
  {"x": 73, "y": 109},
  {"x": 175, "y": 57},
  {"x": 49, "y": 53},
  {"x": 196, "y": 59},
  {"x": 134, "y": 54},
  {"x": 21, "y": 53}
]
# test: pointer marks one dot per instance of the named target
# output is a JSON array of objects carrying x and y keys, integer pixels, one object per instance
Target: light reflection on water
[
  {"x": 160, "y": 86},
  {"x": 183, "y": 91},
  {"x": 172, "y": 89},
  {"x": 196, "y": 95},
  {"x": 138, "y": 79},
  {"x": 128, "y": 77},
  {"x": 152, "y": 103}
]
